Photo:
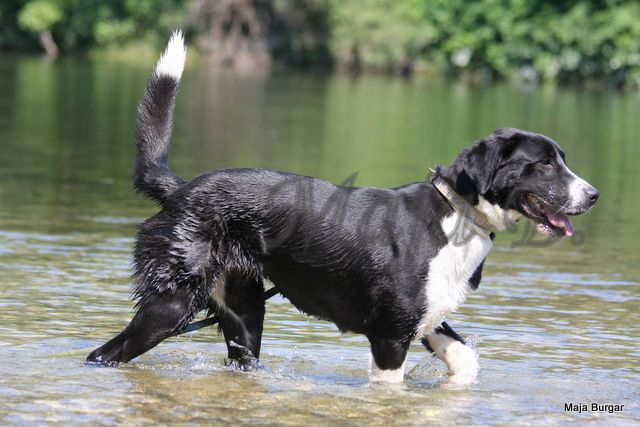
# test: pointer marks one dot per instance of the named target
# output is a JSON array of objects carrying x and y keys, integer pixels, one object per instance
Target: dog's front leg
[
  {"x": 388, "y": 358},
  {"x": 461, "y": 359}
]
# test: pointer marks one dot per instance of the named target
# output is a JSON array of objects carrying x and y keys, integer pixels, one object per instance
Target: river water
[{"x": 552, "y": 323}]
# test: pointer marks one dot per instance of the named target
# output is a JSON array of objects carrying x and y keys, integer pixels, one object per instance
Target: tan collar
[{"x": 461, "y": 206}]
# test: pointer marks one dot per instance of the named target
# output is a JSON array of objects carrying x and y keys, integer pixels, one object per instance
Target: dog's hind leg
[
  {"x": 241, "y": 302},
  {"x": 461, "y": 359},
  {"x": 157, "y": 318}
]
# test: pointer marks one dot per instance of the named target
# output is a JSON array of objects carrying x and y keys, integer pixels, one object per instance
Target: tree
[{"x": 39, "y": 16}]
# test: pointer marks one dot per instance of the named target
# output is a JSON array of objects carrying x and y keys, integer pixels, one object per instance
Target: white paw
[
  {"x": 390, "y": 376},
  {"x": 462, "y": 362}
]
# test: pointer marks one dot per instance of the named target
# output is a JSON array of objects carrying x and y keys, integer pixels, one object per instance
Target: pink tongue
[{"x": 561, "y": 221}]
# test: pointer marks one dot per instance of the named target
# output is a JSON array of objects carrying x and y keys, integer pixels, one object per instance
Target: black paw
[
  {"x": 242, "y": 359},
  {"x": 245, "y": 365},
  {"x": 97, "y": 358},
  {"x": 109, "y": 354}
]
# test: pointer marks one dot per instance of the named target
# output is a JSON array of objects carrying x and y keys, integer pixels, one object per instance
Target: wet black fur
[{"x": 358, "y": 257}]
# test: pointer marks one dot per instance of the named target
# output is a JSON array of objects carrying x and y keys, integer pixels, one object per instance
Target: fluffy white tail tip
[{"x": 171, "y": 63}]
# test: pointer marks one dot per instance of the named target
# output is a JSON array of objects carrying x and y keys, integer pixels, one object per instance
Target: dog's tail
[{"x": 152, "y": 176}]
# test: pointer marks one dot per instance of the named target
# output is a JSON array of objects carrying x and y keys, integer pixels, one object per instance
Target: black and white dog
[{"x": 390, "y": 264}]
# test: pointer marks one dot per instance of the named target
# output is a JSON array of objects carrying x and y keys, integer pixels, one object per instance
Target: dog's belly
[{"x": 319, "y": 293}]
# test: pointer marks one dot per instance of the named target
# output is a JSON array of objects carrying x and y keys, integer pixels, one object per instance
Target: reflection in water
[{"x": 552, "y": 324}]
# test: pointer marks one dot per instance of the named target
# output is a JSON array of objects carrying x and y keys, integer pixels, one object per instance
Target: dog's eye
[{"x": 546, "y": 162}]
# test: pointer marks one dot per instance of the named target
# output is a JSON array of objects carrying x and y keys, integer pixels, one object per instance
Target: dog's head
[{"x": 514, "y": 172}]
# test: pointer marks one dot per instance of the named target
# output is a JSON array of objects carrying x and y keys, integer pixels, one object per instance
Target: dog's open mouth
[{"x": 549, "y": 221}]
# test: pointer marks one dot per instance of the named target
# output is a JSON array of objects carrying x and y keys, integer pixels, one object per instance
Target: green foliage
[
  {"x": 549, "y": 40},
  {"x": 84, "y": 23},
  {"x": 583, "y": 40},
  {"x": 379, "y": 33},
  {"x": 539, "y": 40},
  {"x": 110, "y": 31},
  {"x": 39, "y": 15}
]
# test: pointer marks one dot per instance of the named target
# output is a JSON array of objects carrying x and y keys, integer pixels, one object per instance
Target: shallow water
[{"x": 552, "y": 324}]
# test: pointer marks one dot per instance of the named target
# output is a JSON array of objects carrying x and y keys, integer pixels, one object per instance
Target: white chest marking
[{"x": 447, "y": 283}]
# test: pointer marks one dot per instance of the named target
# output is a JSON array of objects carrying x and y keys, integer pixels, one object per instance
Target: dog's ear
[
  {"x": 507, "y": 134},
  {"x": 480, "y": 164},
  {"x": 483, "y": 159}
]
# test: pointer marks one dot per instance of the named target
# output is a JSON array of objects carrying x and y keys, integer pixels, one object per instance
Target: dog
[{"x": 389, "y": 264}]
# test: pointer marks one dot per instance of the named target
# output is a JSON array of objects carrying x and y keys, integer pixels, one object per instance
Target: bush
[
  {"x": 83, "y": 23},
  {"x": 39, "y": 16},
  {"x": 384, "y": 34},
  {"x": 553, "y": 40},
  {"x": 536, "y": 40}
]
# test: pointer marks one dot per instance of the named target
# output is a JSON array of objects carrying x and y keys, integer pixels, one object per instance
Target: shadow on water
[{"x": 552, "y": 324}]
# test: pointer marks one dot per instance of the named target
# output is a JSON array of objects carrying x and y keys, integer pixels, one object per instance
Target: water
[{"x": 552, "y": 324}]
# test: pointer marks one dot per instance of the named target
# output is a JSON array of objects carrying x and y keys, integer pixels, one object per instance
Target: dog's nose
[{"x": 592, "y": 194}]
